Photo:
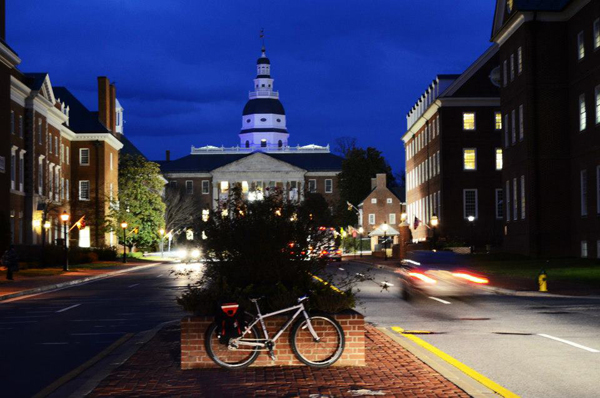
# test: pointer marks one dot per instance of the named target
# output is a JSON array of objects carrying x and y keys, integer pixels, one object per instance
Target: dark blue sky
[{"x": 183, "y": 68}]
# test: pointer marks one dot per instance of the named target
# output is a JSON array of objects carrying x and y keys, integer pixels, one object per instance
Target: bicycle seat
[
  {"x": 303, "y": 298},
  {"x": 255, "y": 299}
]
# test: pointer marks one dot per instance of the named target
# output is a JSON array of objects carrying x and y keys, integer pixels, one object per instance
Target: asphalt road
[
  {"x": 510, "y": 339},
  {"x": 46, "y": 336}
]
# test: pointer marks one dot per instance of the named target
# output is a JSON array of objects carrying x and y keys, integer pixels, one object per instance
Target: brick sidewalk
[
  {"x": 154, "y": 371},
  {"x": 25, "y": 283}
]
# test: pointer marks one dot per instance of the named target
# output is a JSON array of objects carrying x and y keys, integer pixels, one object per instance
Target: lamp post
[
  {"x": 434, "y": 223},
  {"x": 472, "y": 222},
  {"x": 124, "y": 226},
  {"x": 361, "y": 230},
  {"x": 162, "y": 241},
  {"x": 65, "y": 219},
  {"x": 384, "y": 227}
]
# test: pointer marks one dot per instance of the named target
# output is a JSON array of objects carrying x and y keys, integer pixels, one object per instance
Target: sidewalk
[
  {"x": 391, "y": 369},
  {"x": 24, "y": 284}
]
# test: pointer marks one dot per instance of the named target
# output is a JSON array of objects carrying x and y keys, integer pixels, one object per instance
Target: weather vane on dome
[{"x": 262, "y": 36}]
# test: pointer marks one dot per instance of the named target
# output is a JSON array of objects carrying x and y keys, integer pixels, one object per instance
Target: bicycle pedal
[{"x": 273, "y": 356}]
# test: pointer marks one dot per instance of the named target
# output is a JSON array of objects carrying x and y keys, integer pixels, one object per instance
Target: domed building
[{"x": 264, "y": 158}]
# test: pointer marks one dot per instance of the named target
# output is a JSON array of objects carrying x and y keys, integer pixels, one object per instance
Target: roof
[
  {"x": 263, "y": 105},
  {"x": 81, "y": 119},
  {"x": 35, "y": 80},
  {"x": 263, "y": 61},
  {"x": 128, "y": 147},
  {"x": 206, "y": 163}
]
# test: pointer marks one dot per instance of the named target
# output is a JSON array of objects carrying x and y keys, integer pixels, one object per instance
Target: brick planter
[{"x": 193, "y": 353}]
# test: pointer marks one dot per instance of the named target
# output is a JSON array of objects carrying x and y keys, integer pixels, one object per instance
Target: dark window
[
  {"x": 247, "y": 120},
  {"x": 263, "y": 143},
  {"x": 247, "y": 144},
  {"x": 263, "y": 119},
  {"x": 280, "y": 144},
  {"x": 278, "y": 120}
]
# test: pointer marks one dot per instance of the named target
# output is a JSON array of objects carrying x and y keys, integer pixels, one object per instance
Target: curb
[
  {"x": 75, "y": 282},
  {"x": 89, "y": 375},
  {"x": 455, "y": 376}
]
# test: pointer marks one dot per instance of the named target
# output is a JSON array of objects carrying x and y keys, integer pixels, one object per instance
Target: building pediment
[{"x": 258, "y": 163}]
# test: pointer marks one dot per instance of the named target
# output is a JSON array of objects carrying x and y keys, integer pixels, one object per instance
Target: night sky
[{"x": 183, "y": 68}]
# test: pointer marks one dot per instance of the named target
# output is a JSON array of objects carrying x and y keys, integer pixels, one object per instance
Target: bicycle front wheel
[
  {"x": 223, "y": 356},
  {"x": 319, "y": 353}
]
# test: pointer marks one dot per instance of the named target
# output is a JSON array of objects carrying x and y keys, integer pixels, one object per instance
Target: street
[
  {"x": 533, "y": 346},
  {"x": 46, "y": 336}
]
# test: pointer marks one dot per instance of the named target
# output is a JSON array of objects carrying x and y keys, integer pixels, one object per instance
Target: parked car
[{"x": 331, "y": 253}]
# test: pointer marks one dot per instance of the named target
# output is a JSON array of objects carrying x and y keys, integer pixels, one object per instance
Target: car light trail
[
  {"x": 422, "y": 277},
  {"x": 471, "y": 278}
]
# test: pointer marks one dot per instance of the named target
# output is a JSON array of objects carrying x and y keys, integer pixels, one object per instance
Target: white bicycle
[{"x": 316, "y": 340}]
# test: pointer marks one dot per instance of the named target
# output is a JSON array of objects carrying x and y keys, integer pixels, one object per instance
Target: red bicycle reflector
[
  {"x": 230, "y": 308},
  {"x": 422, "y": 277},
  {"x": 471, "y": 278}
]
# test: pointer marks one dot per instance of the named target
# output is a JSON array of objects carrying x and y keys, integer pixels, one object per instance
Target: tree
[
  {"x": 358, "y": 167},
  {"x": 182, "y": 210},
  {"x": 343, "y": 145},
  {"x": 140, "y": 202}
]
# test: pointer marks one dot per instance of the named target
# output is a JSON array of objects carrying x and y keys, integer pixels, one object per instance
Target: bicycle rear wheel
[
  {"x": 230, "y": 359},
  {"x": 324, "y": 352}
]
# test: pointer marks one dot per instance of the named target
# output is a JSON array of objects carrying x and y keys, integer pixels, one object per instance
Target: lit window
[
  {"x": 498, "y": 158},
  {"x": 499, "y": 204},
  {"x": 371, "y": 219},
  {"x": 584, "y": 249},
  {"x": 224, "y": 186},
  {"x": 205, "y": 214},
  {"x": 498, "y": 118},
  {"x": 189, "y": 187},
  {"x": 582, "y": 113},
  {"x": 470, "y": 203},
  {"x": 580, "y": 46},
  {"x": 520, "y": 60},
  {"x": 469, "y": 121},
  {"x": 470, "y": 159},
  {"x": 522, "y": 197},
  {"x": 328, "y": 186},
  {"x": 597, "y": 94},
  {"x": 244, "y": 186},
  {"x": 84, "y": 156},
  {"x": 205, "y": 187},
  {"x": 596, "y": 33}
]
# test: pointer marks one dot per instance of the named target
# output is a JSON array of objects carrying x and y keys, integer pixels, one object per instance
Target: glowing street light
[
  {"x": 124, "y": 226},
  {"x": 65, "y": 219}
]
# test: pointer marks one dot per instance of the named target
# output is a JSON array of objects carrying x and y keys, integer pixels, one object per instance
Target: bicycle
[{"x": 316, "y": 340}]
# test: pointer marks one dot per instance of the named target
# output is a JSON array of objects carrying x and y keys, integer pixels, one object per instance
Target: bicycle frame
[{"x": 260, "y": 318}]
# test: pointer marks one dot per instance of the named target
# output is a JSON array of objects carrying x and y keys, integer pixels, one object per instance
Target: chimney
[
  {"x": 373, "y": 183},
  {"x": 168, "y": 155},
  {"x": 104, "y": 101},
  {"x": 381, "y": 180},
  {"x": 113, "y": 108}
]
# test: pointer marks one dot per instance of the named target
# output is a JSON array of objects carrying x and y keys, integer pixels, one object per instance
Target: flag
[{"x": 416, "y": 223}]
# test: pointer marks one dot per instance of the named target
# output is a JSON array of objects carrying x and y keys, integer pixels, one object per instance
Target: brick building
[
  {"x": 454, "y": 156},
  {"x": 550, "y": 97},
  {"x": 264, "y": 158},
  {"x": 383, "y": 205},
  {"x": 55, "y": 156}
]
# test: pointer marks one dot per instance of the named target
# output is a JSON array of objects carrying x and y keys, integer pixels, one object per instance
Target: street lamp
[
  {"x": 434, "y": 223},
  {"x": 65, "y": 219},
  {"x": 361, "y": 230},
  {"x": 384, "y": 227},
  {"x": 124, "y": 226},
  {"x": 472, "y": 222},
  {"x": 162, "y": 241}
]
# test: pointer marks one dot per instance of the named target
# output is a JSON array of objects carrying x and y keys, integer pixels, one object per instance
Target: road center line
[
  {"x": 569, "y": 343},
  {"x": 68, "y": 308},
  {"x": 134, "y": 285},
  {"x": 440, "y": 300}
]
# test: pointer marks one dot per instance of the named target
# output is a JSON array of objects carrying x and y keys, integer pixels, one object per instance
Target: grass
[{"x": 569, "y": 269}]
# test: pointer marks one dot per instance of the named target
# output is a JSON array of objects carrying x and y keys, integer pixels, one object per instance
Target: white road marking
[
  {"x": 134, "y": 285},
  {"x": 440, "y": 300},
  {"x": 68, "y": 308},
  {"x": 569, "y": 343},
  {"x": 341, "y": 269}
]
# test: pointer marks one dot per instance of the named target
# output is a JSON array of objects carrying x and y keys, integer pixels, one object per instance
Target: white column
[{"x": 215, "y": 196}]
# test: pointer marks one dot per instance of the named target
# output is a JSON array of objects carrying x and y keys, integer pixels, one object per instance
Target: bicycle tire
[
  {"x": 229, "y": 359},
  {"x": 309, "y": 351}
]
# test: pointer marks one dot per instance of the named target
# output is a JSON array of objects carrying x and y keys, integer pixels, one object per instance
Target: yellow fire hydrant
[{"x": 543, "y": 281}]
